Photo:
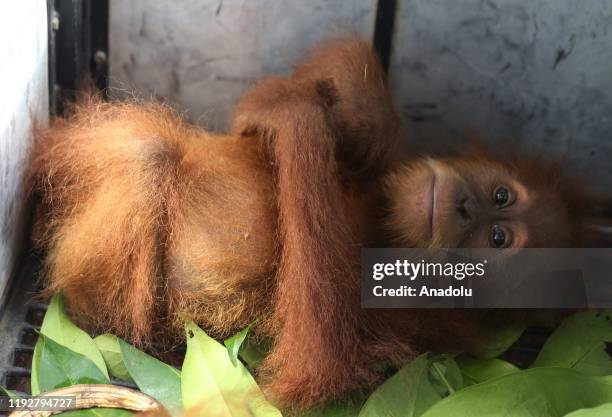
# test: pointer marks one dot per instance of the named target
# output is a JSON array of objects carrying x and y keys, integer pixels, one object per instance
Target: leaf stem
[{"x": 441, "y": 374}]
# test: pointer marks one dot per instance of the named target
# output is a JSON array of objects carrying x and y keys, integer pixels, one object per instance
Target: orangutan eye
[
  {"x": 497, "y": 237},
  {"x": 501, "y": 197}
]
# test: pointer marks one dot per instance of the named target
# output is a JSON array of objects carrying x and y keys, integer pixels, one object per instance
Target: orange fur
[
  {"x": 149, "y": 220},
  {"x": 123, "y": 188}
]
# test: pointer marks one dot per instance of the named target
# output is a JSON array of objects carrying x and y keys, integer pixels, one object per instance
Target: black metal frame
[
  {"x": 78, "y": 48},
  {"x": 383, "y": 30}
]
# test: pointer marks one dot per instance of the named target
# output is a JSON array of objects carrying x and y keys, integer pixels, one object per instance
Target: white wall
[
  {"x": 202, "y": 54},
  {"x": 532, "y": 74},
  {"x": 23, "y": 104}
]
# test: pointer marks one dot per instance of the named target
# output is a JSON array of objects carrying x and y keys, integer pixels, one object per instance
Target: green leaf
[
  {"x": 596, "y": 362},
  {"x": 542, "y": 392},
  {"x": 233, "y": 343},
  {"x": 244, "y": 345},
  {"x": 253, "y": 352},
  {"x": 108, "y": 345},
  {"x": 604, "y": 410},
  {"x": 9, "y": 393},
  {"x": 408, "y": 393},
  {"x": 445, "y": 375},
  {"x": 98, "y": 412},
  {"x": 579, "y": 342},
  {"x": 57, "y": 367},
  {"x": 34, "y": 387},
  {"x": 62, "y": 330},
  {"x": 494, "y": 340},
  {"x": 347, "y": 408},
  {"x": 210, "y": 380},
  {"x": 476, "y": 371},
  {"x": 153, "y": 377}
]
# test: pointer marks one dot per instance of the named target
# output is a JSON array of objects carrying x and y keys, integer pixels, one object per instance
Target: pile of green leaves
[
  {"x": 571, "y": 377},
  {"x": 211, "y": 377}
]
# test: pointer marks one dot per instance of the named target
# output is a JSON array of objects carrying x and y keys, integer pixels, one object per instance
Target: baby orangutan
[{"x": 149, "y": 220}]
